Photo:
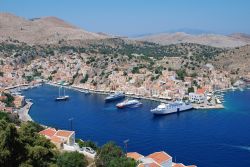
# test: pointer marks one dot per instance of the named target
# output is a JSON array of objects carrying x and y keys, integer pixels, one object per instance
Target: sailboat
[{"x": 62, "y": 98}]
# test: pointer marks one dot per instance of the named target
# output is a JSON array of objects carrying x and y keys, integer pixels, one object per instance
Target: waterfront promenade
[
  {"x": 103, "y": 92},
  {"x": 24, "y": 112},
  {"x": 205, "y": 106},
  {"x": 196, "y": 106}
]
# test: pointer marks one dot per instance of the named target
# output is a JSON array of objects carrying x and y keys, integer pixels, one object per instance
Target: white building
[
  {"x": 59, "y": 137},
  {"x": 157, "y": 159},
  {"x": 198, "y": 97}
]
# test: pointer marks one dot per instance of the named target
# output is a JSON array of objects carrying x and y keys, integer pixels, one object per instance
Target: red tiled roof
[
  {"x": 3, "y": 98},
  {"x": 149, "y": 165},
  {"x": 56, "y": 139},
  {"x": 160, "y": 157},
  {"x": 182, "y": 165},
  {"x": 178, "y": 165},
  {"x": 134, "y": 155},
  {"x": 8, "y": 109},
  {"x": 49, "y": 132},
  {"x": 201, "y": 91},
  {"x": 64, "y": 133}
]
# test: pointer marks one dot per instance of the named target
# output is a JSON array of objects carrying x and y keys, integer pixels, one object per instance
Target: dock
[
  {"x": 157, "y": 99},
  {"x": 204, "y": 106},
  {"x": 24, "y": 112}
]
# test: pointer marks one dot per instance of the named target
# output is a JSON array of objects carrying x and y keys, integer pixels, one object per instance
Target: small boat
[
  {"x": 17, "y": 93},
  {"x": 65, "y": 84},
  {"x": 219, "y": 96},
  {"x": 87, "y": 92},
  {"x": 115, "y": 96},
  {"x": 218, "y": 101},
  {"x": 137, "y": 97},
  {"x": 233, "y": 88},
  {"x": 29, "y": 100},
  {"x": 173, "y": 107},
  {"x": 129, "y": 103},
  {"x": 62, "y": 98}
]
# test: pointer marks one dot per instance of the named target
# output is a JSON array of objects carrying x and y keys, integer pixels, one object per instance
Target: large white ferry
[{"x": 173, "y": 107}]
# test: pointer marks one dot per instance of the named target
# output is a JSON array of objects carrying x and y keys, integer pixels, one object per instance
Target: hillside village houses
[
  {"x": 2, "y": 105},
  {"x": 65, "y": 140},
  {"x": 59, "y": 137},
  {"x": 157, "y": 159},
  {"x": 19, "y": 101},
  {"x": 64, "y": 68},
  {"x": 199, "y": 96}
]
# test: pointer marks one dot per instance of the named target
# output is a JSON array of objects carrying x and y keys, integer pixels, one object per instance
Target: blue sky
[{"x": 134, "y": 17}]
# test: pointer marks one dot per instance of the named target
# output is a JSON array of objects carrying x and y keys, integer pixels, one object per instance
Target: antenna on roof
[
  {"x": 126, "y": 145},
  {"x": 71, "y": 121}
]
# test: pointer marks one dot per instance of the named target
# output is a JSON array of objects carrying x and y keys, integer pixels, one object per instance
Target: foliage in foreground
[
  {"x": 24, "y": 147},
  {"x": 71, "y": 159},
  {"x": 10, "y": 117},
  {"x": 112, "y": 155}
]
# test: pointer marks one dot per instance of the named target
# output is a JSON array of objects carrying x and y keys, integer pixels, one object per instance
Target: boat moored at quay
[
  {"x": 115, "y": 96},
  {"x": 173, "y": 107}
]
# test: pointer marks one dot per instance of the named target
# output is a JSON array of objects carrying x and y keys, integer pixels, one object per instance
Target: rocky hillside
[
  {"x": 47, "y": 30},
  {"x": 23, "y": 52},
  {"x": 22, "y": 41},
  {"x": 241, "y": 36},
  {"x": 236, "y": 61},
  {"x": 234, "y": 40}
]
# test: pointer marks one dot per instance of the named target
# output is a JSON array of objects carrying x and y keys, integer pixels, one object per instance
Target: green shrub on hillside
[
  {"x": 135, "y": 70},
  {"x": 112, "y": 155},
  {"x": 181, "y": 74},
  {"x": 87, "y": 143},
  {"x": 85, "y": 79},
  {"x": 71, "y": 159}
]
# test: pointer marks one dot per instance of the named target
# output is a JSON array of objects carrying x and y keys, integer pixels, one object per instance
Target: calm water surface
[{"x": 207, "y": 138}]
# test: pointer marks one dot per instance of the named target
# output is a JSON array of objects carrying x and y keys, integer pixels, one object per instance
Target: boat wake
[{"x": 247, "y": 148}]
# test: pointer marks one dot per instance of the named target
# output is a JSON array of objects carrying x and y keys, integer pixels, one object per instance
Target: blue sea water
[{"x": 206, "y": 138}]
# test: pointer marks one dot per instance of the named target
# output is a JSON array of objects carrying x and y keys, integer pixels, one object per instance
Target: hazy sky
[{"x": 131, "y": 17}]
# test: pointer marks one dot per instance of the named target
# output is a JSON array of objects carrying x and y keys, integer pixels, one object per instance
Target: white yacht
[
  {"x": 115, "y": 96},
  {"x": 129, "y": 103},
  {"x": 173, "y": 107},
  {"x": 60, "y": 97},
  {"x": 218, "y": 101}
]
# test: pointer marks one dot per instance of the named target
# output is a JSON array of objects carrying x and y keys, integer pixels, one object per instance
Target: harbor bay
[
  {"x": 190, "y": 137},
  {"x": 124, "y": 84}
]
